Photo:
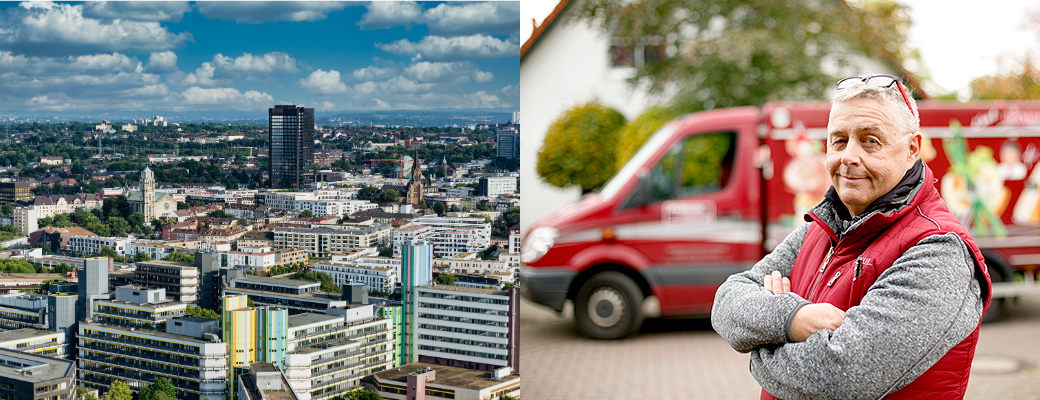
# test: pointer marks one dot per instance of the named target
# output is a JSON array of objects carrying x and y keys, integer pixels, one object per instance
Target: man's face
[{"x": 866, "y": 155}]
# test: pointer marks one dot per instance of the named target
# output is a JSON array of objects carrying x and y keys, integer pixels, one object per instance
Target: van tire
[
  {"x": 609, "y": 306},
  {"x": 997, "y": 274}
]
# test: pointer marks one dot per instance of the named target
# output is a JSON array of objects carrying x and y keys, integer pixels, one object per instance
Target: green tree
[
  {"x": 142, "y": 256},
  {"x": 637, "y": 131},
  {"x": 387, "y": 196},
  {"x": 579, "y": 148},
  {"x": 106, "y": 251},
  {"x": 446, "y": 279},
  {"x": 368, "y": 193},
  {"x": 438, "y": 208},
  {"x": 218, "y": 214},
  {"x": 162, "y": 389},
  {"x": 7, "y": 209},
  {"x": 118, "y": 390},
  {"x": 202, "y": 312},
  {"x": 180, "y": 257},
  {"x": 363, "y": 395},
  {"x": 118, "y": 226},
  {"x": 726, "y": 53},
  {"x": 307, "y": 214}
]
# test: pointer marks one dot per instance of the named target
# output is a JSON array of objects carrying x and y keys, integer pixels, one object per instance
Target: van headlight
[{"x": 538, "y": 243}]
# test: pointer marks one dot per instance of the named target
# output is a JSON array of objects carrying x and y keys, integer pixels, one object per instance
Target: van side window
[{"x": 695, "y": 165}]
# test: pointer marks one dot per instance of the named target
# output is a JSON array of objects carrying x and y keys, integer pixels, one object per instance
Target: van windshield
[{"x": 655, "y": 142}]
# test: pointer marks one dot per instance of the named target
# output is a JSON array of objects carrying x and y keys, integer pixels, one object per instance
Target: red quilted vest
[{"x": 877, "y": 243}]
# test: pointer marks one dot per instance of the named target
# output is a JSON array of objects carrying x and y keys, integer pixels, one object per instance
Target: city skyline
[{"x": 234, "y": 57}]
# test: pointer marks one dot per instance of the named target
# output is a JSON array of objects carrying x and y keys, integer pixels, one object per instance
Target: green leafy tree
[
  {"x": 202, "y": 312},
  {"x": 142, "y": 256},
  {"x": 386, "y": 252},
  {"x": 7, "y": 209},
  {"x": 726, "y": 53},
  {"x": 118, "y": 226},
  {"x": 438, "y": 208},
  {"x": 106, "y": 251},
  {"x": 637, "y": 131},
  {"x": 579, "y": 148},
  {"x": 363, "y": 395},
  {"x": 180, "y": 257},
  {"x": 387, "y": 196},
  {"x": 447, "y": 279},
  {"x": 307, "y": 214},
  {"x": 218, "y": 214},
  {"x": 118, "y": 390},
  {"x": 162, "y": 389}
]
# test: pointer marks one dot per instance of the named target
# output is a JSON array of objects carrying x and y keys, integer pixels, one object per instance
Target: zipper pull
[
  {"x": 835, "y": 278},
  {"x": 827, "y": 259},
  {"x": 859, "y": 268}
]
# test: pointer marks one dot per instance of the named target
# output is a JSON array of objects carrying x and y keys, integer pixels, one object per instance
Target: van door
[{"x": 691, "y": 218}]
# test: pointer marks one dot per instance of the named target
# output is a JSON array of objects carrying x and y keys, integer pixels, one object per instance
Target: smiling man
[{"x": 881, "y": 291}]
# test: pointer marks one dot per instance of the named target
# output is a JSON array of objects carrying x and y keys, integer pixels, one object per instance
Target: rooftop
[
  {"x": 144, "y": 332},
  {"x": 311, "y": 318},
  {"x": 46, "y": 369},
  {"x": 278, "y": 281},
  {"x": 24, "y": 333},
  {"x": 165, "y": 264},
  {"x": 318, "y": 296},
  {"x": 446, "y": 376},
  {"x": 466, "y": 289}
]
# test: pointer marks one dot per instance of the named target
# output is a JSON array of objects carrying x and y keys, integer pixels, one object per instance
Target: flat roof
[
  {"x": 262, "y": 367},
  {"x": 311, "y": 318},
  {"x": 51, "y": 368},
  {"x": 319, "y": 296},
  {"x": 165, "y": 264},
  {"x": 446, "y": 376},
  {"x": 323, "y": 347},
  {"x": 453, "y": 288},
  {"x": 24, "y": 333},
  {"x": 145, "y": 332},
  {"x": 277, "y": 281}
]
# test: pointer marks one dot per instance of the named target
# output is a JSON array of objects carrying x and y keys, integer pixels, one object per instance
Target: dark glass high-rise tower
[{"x": 291, "y": 146}]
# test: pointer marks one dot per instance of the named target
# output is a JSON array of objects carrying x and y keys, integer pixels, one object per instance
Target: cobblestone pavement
[{"x": 685, "y": 359}]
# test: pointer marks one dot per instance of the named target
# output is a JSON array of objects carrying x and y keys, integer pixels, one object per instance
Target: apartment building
[
  {"x": 494, "y": 186},
  {"x": 514, "y": 240},
  {"x": 261, "y": 259},
  {"x": 87, "y": 245},
  {"x": 411, "y": 234},
  {"x": 138, "y": 308},
  {"x": 49, "y": 206},
  {"x": 454, "y": 235},
  {"x": 329, "y": 354},
  {"x": 376, "y": 277},
  {"x": 159, "y": 249},
  {"x": 323, "y": 242},
  {"x": 180, "y": 280},
  {"x": 473, "y": 265},
  {"x": 25, "y": 218}
]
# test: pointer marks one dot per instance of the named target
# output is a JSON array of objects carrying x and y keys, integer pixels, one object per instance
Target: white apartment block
[
  {"x": 36, "y": 341},
  {"x": 261, "y": 258},
  {"x": 325, "y": 241},
  {"x": 158, "y": 249},
  {"x": 26, "y": 219},
  {"x": 86, "y": 245},
  {"x": 49, "y": 206},
  {"x": 376, "y": 277},
  {"x": 459, "y": 323},
  {"x": 494, "y": 186},
  {"x": 463, "y": 191},
  {"x": 473, "y": 265},
  {"x": 338, "y": 208},
  {"x": 514, "y": 241},
  {"x": 411, "y": 234},
  {"x": 457, "y": 235}
]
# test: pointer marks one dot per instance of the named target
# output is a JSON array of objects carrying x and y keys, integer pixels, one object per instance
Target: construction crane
[{"x": 241, "y": 147}]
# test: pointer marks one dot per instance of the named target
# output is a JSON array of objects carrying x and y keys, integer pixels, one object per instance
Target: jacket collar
[{"x": 832, "y": 214}]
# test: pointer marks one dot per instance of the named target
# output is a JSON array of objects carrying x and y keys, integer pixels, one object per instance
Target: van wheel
[
  {"x": 609, "y": 306},
  {"x": 997, "y": 307}
]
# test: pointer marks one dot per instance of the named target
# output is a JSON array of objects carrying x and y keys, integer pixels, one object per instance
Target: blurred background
[{"x": 600, "y": 76}]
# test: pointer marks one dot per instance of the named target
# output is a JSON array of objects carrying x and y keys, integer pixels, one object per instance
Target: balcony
[
  {"x": 191, "y": 362},
  {"x": 144, "y": 316},
  {"x": 125, "y": 375},
  {"x": 367, "y": 333},
  {"x": 335, "y": 381},
  {"x": 37, "y": 346},
  {"x": 336, "y": 358},
  {"x": 124, "y": 342},
  {"x": 337, "y": 329},
  {"x": 152, "y": 368}
]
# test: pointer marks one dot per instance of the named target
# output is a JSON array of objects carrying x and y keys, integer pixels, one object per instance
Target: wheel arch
[{"x": 584, "y": 276}]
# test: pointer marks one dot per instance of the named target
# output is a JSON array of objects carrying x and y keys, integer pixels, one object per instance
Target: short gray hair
[{"x": 907, "y": 122}]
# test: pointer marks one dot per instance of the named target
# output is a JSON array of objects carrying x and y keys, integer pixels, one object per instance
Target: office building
[
  {"x": 11, "y": 192},
  {"x": 88, "y": 245},
  {"x": 496, "y": 185},
  {"x": 263, "y": 381},
  {"x": 138, "y": 308},
  {"x": 416, "y": 270},
  {"x": 32, "y": 376},
  {"x": 291, "y": 146},
  {"x": 35, "y": 341},
  {"x": 461, "y": 327},
  {"x": 23, "y": 310},
  {"x": 323, "y": 242},
  {"x": 180, "y": 280},
  {"x": 296, "y": 296},
  {"x": 453, "y": 236},
  {"x": 411, "y": 234},
  {"x": 208, "y": 265},
  {"x": 382, "y": 278},
  {"x": 92, "y": 285},
  {"x": 508, "y": 143}
]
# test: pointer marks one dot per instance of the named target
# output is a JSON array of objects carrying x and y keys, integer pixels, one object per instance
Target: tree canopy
[{"x": 446, "y": 279}]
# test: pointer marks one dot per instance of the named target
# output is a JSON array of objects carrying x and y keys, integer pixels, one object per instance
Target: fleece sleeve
[
  {"x": 926, "y": 303},
  {"x": 747, "y": 316}
]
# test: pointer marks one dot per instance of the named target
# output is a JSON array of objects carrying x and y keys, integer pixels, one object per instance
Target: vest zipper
[{"x": 819, "y": 275}]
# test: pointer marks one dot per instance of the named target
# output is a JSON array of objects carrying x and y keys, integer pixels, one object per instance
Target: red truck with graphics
[{"x": 710, "y": 193}]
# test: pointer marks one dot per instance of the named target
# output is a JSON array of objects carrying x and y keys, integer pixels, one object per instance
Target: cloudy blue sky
[{"x": 333, "y": 56}]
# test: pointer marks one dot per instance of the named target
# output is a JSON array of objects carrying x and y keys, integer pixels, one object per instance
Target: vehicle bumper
[{"x": 546, "y": 286}]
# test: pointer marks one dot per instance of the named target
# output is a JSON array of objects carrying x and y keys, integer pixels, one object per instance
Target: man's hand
[
  {"x": 814, "y": 317},
  {"x": 776, "y": 283}
]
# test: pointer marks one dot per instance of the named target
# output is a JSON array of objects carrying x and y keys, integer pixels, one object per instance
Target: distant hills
[{"x": 441, "y": 117}]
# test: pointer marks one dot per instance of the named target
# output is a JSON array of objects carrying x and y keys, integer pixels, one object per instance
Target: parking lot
[{"x": 682, "y": 358}]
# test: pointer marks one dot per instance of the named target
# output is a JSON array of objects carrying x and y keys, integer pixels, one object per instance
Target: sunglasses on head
[{"x": 884, "y": 81}]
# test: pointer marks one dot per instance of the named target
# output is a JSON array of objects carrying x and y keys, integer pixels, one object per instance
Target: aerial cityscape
[{"x": 270, "y": 200}]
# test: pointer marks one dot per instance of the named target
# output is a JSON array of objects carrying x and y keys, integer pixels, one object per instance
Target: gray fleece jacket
[{"x": 926, "y": 303}]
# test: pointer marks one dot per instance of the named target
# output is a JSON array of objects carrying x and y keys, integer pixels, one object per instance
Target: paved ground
[{"x": 678, "y": 359}]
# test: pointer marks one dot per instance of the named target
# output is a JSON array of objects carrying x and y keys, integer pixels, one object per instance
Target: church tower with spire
[
  {"x": 414, "y": 193},
  {"x": 148, "y": 193}
]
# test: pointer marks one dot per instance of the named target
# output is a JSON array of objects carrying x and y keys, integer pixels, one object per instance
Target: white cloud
[
  {"x": 266, "y": 64},
  {"x": 373, "y": 73},
  {"x": 226, "y": 97},
  {"x": 162, "y": 62},
  {"x": 137, "y": 10},
  {"x": 386, "y": 14},
  {"x": 483, "y": 77},
  {"x": 468, "y": 18},
  {"x": 258, "y": 12},
  {"x": 323, "y": 82},
  {"x": 381, "y": 105},
  {"x": 436, "y": 48},
  {"x": 150, "y": 91},
  {"x": 444, "y": 72},
  {"x": 203, "y": 75},
  {"x": 403, "y": 85},
  {"x": 59, "y": 29}
]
